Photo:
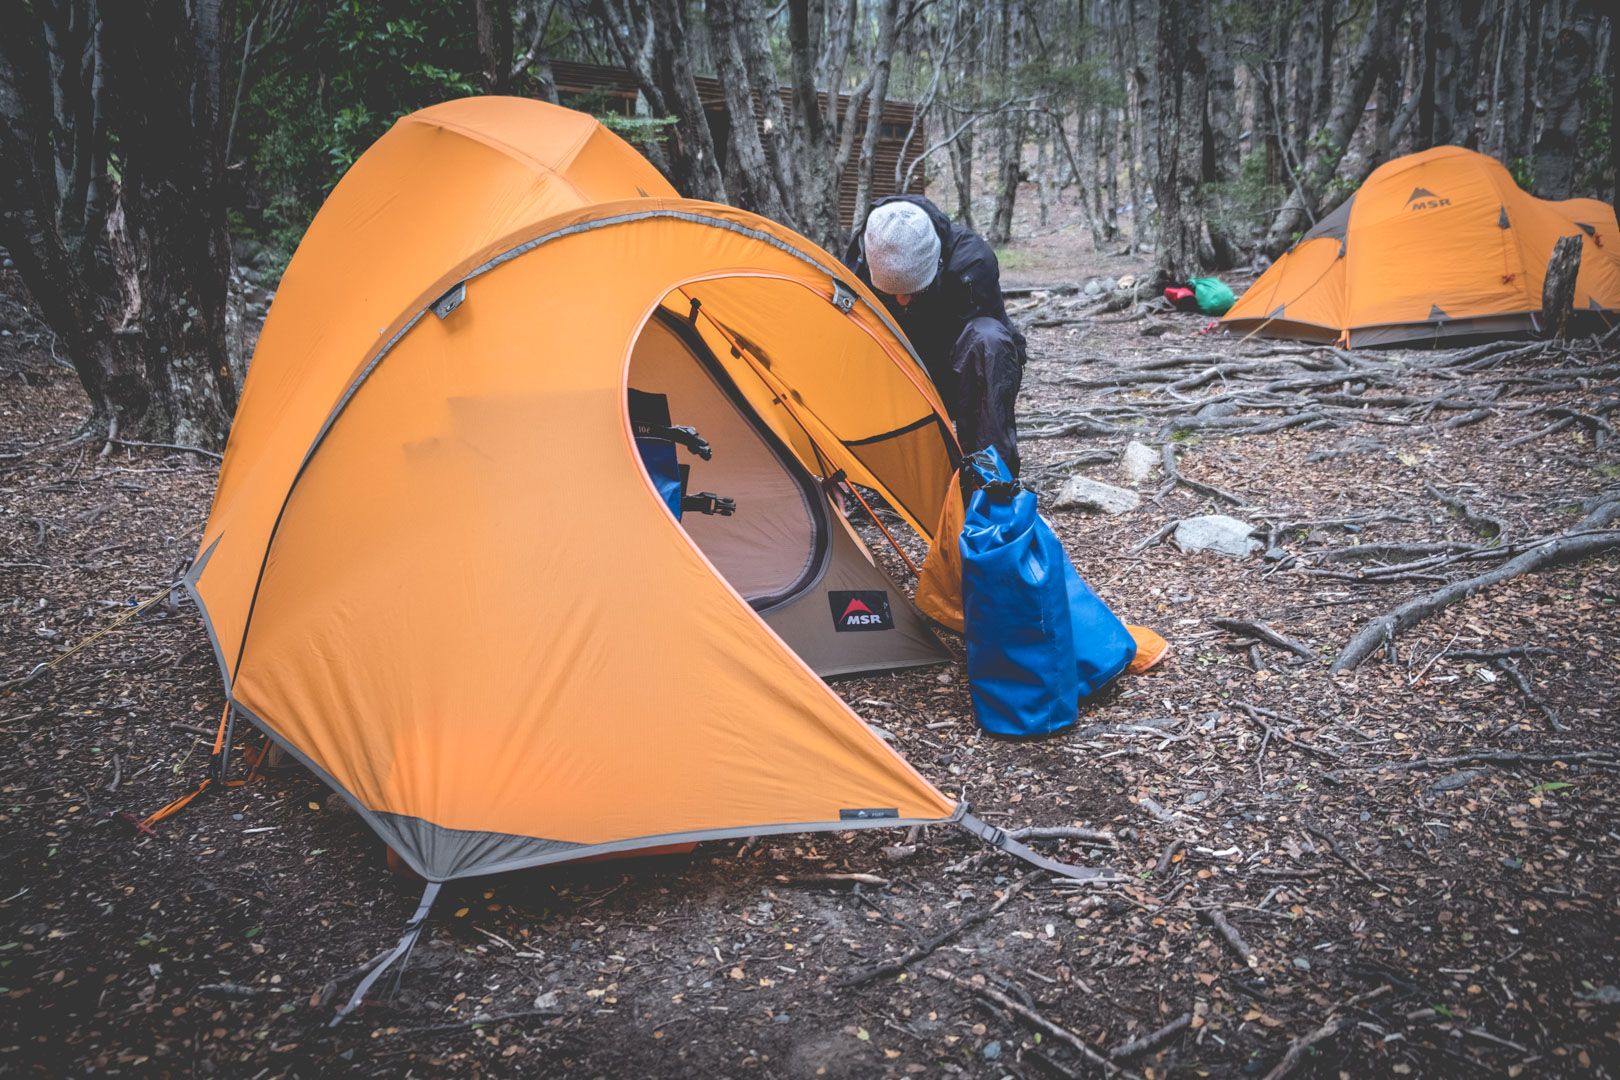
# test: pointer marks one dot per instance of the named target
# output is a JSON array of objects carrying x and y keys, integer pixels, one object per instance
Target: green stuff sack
[{"x": 1212, "y": 294}]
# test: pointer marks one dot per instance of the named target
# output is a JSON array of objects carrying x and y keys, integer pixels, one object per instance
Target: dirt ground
[{"x": 1404, "y": 905}]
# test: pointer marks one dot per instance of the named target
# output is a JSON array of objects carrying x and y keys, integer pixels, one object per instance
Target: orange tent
[
  {"x": 1434, "y": 245},
  {"x": 437, "y": 571}
]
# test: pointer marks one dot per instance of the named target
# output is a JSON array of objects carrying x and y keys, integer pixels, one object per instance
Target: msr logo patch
[
  {"x": 1424, "y": 199},
  {"x": 863, "y": 609}
]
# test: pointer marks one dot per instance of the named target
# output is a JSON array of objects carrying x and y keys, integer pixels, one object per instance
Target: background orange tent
[
  {"x": 1439, "y": 244},
  {"x": 436, "y": 571}
]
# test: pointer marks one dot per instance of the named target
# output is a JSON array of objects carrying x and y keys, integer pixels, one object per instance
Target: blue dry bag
[
  {"x": 656, "y": 439},
  {"x": 1038, "y": 639}
]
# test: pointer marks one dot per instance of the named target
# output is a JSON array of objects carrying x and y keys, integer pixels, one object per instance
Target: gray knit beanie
[{"x": 902, "y": 248}]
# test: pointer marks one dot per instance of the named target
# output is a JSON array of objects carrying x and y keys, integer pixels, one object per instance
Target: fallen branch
[
  {"x": 824, "y": 879},
  {"x": 1152, "y": 1039},
  {"x": 1218, "y": 920},
  {"x": 895, "y": 967},
  {"x": 1034, "y": 1018},
  {"x": 1244, "y": 628},
  {"x": 1578, "y": 543},
  {"x": 1338, "y": 852},
  {"x": 1473, "y": 517},
  {"x": 1297, "y": 1049},
  {"x": 1167, "y": 456}
]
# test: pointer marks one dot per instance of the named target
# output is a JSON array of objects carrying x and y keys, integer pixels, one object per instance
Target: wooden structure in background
[{"x": 596, "y": 88}]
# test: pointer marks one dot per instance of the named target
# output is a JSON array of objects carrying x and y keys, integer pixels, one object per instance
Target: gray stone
[
  {"x": 1138, "y": 461},
  {"x": 1084, "y": 493},
  {"x": 1094, "y": 287},
  {"x": 1216, "y": 533}
]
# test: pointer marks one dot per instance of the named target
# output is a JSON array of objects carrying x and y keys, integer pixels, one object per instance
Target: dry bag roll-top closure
[
  {"x": 657, "y": 440},
  {"x": 1038, "y": 639}
]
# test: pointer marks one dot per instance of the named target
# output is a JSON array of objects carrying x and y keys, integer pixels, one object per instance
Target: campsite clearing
[{"x": 1410, "y": 864}]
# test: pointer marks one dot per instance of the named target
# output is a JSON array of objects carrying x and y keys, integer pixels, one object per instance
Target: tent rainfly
[
  {"x": 1435, "y": 245},
  {"x": 438, "y": 574}
]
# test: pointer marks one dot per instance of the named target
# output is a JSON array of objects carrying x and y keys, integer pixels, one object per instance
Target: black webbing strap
[
  {"x": 400, "y": 954},
  {"x": 999, "y": 838}
]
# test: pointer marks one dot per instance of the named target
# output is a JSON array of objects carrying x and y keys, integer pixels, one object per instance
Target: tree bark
[
  {"x": 1558, "y": 289},
  {"x": 493, "y": 20},
  {"x": 882, "y": 61},
  {"x": 1329, "y": 146},
  {"x": 754, "y": 185},
  {"x": 1183, "y": 86},
  {"x": 138, "y": 294},
  {"x": 1573, "y": 55},
  {"x": 1009, "y": 163}
]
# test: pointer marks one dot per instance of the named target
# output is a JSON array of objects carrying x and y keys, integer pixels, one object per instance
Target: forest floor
[{"x": 1420, "y": 857}]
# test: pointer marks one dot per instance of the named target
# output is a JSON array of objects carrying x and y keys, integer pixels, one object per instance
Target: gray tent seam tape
[
  {"x": 401, "y": 953},
  {"x": 999, "y": 838}
]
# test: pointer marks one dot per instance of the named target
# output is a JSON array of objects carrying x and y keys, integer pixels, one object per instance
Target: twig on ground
[
  {"x": 895, "y": 967},
  {"x": 1339, "y": 853},
  {"x": 1296, "y": 1050},
  {"x": 1497, "y": 757},
  {"x": 1218, "y": 920},
  {"x": 1061, "y": 832},
  {"x": 1257, "y": 629},
  {"x": 1034, "y": 1018},
  {"x": 1152, "y": 1039}
]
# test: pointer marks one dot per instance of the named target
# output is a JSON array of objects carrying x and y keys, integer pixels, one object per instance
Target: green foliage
[
  {"x": 639, "y": 131},
  {"x": 1240, "y": 206},
  {"x": 334, "y": 82},
  {"x": 1594, "y": 169},
  {"x": 1523, "y": 170}
]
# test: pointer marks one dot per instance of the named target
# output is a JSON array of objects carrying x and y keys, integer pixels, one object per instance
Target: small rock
[
  {"x": 1302, "y": 963},
  {"x": 1216, "y": 533},
  {"x": 1217, "y": 409},
  {"x": 547, "y": 1000},
  {"x": 1094, "y": 288},
  {"x": 882, "y": 733},
  {"x": 1138, "y": 461},
  {"x": 1108, "y": 284},
  {"x": 1453, "y": 781},
  {"x": 1084, "y": 493},
  {"x": 782, "y": 1018},
  {"x": 1511, "y": 863},
  {"x": 992, "y": 1050},
  {"x": 1193, "y": 798},
  {"x": 1275, "y": 554},
  {"x": 1127, "y": 282}
]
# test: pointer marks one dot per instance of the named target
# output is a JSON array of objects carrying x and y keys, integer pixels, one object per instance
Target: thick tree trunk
[
  {"x": 748, "y": 25},
  {"x": 1558, "y": 289},
  {"x": 1009, "y": 164},
  {"x": 143, "y": 313},
  {"x": 1573, "y": 56},
  {"x": 814, "y": 135},
  {"x": 697, "y": 166},
  {"x": 1329, "y": 147},
  {"x": 1183, "y": 79},
  {"x": 493, "y": 20},
  {"x": 882, "y": 60},
  {"x": 754, "y": 185}
]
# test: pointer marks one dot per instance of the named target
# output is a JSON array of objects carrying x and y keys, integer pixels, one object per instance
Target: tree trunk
[
  {"x": 1009, "y": 166},
  {"x": 1558, "y": 289},
  {"x": 818, "y": 174},
  {"x": 1573, "y": 55},
  {"x": 493, "y": 19},
  {"x": 749, "y": 27},
  {"x": 754, "y": 183},
  {"x": 1328, "y": 148},
  {"x": 1183, "y": 79},
  {"x": 882, "y": 59},
  {"x": 142, "y": 314},
  {"x": 696, "y": 164}
]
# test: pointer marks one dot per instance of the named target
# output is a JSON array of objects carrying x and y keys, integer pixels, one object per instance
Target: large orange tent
[
  {"x": 436, "y": 570},
  {"x": 1435, "y": 245}
]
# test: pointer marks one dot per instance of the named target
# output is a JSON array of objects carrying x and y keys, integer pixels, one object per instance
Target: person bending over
[{"x": 942, "y": 284}]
